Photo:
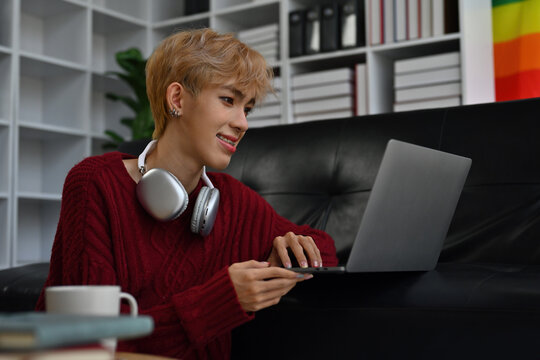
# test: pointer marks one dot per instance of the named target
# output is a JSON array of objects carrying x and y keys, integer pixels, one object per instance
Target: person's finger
[
  {"x": 281, "y": 283},
  {"x": 310, "y": 249},
  {"x": 297, "y": 249},
  {"x": 280, "y": 246},
  {"x": 251, "y": 264},
  {"x": 275, "y": 272}
]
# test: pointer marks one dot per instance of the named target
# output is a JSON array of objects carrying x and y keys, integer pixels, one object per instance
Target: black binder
[
  {"x": 196, "y": 6},
  {"x": 296, "y": 32},
  {"x": 352, "y": 24},
  {"x": 312, "y": 44},
  {"x": 330, "y": 27}
]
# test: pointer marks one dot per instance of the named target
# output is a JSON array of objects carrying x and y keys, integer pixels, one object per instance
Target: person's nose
[{"x": 240, "y": 122}]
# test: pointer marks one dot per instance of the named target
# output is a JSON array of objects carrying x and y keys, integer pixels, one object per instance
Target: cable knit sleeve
[{"x": 270, "y": 224}]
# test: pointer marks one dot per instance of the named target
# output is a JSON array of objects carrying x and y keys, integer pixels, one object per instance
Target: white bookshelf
[{"x": 54, "y": 59}]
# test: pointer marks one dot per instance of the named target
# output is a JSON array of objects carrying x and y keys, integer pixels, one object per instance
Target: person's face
[{"x": 213, "y": 123}]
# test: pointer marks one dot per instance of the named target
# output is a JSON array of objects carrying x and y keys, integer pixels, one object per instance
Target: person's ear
[{"x": 175, "y": 91}]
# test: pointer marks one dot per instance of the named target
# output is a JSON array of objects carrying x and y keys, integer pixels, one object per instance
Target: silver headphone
[{"x": 163, "y": 196}]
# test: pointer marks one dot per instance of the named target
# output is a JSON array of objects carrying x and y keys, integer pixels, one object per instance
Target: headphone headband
[{"x": 141, "y": 163}]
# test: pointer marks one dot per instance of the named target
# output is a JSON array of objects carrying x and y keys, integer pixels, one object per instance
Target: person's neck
[{"x": 167, "y": 155}]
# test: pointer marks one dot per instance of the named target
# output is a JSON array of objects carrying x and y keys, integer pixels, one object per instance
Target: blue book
[{"x": 36, "y": 330}]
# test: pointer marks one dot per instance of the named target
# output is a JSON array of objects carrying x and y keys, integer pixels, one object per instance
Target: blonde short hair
[{"x": 200, "y": 58}]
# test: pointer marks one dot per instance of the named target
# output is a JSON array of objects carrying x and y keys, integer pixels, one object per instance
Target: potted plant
[{"x": 141, "y": 124}]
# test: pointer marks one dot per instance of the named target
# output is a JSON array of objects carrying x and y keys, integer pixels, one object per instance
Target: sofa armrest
[{"x": 20, "y": 286}]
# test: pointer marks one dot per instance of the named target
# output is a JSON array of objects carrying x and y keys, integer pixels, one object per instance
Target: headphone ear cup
[
  {"x": 205, "y": 211},
  {"x": 162, "y": 195}
]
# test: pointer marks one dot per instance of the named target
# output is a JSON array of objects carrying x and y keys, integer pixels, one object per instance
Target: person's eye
[
  {"x": 228, "y": 100},
  {"x": 248, "y": 110}
]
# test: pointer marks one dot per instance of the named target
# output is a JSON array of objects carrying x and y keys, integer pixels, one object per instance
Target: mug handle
[{"x": 134, "y": 309}]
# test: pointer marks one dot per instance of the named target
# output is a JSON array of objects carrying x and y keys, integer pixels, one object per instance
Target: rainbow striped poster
[{"x": 516, "y": 48}]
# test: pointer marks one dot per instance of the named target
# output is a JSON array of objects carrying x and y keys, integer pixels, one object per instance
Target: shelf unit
[{"x": 54, "y": 59}]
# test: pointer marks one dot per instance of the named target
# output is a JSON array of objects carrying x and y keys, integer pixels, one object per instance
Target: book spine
[
  {"x": 428, "y": 92},
  {"x": 296, "y": 33},
  {"x": 401, "y": 20},
  {"x": 427, "y": 77},
  {"x": 329, "y": 27},
  {"x": 322, "y": 91},
  {"x": 321, "y": 77},
  {"x": 437, "y": 17},
  {"x": 389, "y": 32},
  {"x": 375, "y": 19},
  {"x": 429, "y": 104},
  {"x": 349, "y": 21},
  {"x": 425, "y": 10},
  {"x": 312, "y": 39},
  {"x": 426, "y": 62},
  {"x": 412, "y": 15},
  {"x": 328, "y": 104},
  {"x": 324, "y": 116},
  {"x": 361, "y": 93}
]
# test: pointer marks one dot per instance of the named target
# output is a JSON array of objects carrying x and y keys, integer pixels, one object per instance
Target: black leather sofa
[{"x": 483, "y": 299}]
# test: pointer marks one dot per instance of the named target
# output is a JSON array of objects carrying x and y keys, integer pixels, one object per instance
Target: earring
[{"x": 174, "y": 112}]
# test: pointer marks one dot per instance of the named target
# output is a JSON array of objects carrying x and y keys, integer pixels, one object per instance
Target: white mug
[{"x": 101, "y": 300}]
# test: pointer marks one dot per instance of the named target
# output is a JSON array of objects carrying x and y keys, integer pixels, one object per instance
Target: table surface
[{"x": 133, "y": 356}]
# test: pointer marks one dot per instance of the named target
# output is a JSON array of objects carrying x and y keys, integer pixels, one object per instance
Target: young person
[{"x": 201, "y": 86}]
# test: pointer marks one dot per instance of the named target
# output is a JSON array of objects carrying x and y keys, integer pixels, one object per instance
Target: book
[
  {"x": 423, "y": 63},
  {"x": 196, "y": 6},
  {"x": 428, "y": 104},
  {"x": 36, "y": 330},
  {"x": 375, "y": 21},
  {"x": 427, "y": 77},
  {"x": 428, "y": 92},
  {"x": 361, "y": 90},
  {"x": 412, "y": 19},
  {"x": 400, "y": 20},
  {"x": 258, "y": 39},
  {"x": 328, "y": 104},
  {"x": 271, "y": 45},
  {"x": 256, "y": 123},
  {"x": 388, "y": 21},
  {"x": 88, "y": 352},
  {"x": 437, "y": 17},
  {"x": 322, "y": 91},
  {"x": 321, "y": 77},
  {"x": 296, "y": 33},
  {"x": 323, "y": 116},
  {"x": 312, "y": 39},
  {"x": 257, "y": 32},
  {"x": 425, "y": 18},
  {"x": 329, "y": 27},
  {"x": 265, "y": 111},
  {"x": 352, "y": 19}
]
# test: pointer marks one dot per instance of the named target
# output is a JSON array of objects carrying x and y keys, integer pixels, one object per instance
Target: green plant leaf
[
  {"x": 130, "y": 102},
  {"x": 114, "y": 136},
  {"x": 133, "y": 67}
]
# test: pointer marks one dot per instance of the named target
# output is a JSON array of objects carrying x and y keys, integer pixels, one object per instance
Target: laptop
[{"x": 408, "y": 212}]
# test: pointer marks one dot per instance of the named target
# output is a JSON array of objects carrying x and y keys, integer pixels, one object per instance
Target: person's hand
[
  {"x": 300, "y": 246},
  {"x": 259, "y": 286}
]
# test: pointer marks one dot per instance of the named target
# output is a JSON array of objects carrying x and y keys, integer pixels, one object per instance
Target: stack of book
[
  {"x": 399, "y": 20},
  {"x": 324, "y": 94},
  {"x": 427, "y": 82},
  {"x": 42, "y": 336},
  {"x": 268, "y": 112},
  {"x": 327, "y": 27},
  {"x": 264, "y": 39}
]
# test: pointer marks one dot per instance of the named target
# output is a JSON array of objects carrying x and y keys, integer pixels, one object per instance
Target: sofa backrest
[{"x": 321, "y": 173}]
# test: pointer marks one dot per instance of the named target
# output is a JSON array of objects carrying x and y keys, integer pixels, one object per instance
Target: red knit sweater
[{"x": 104, "y": 236}]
